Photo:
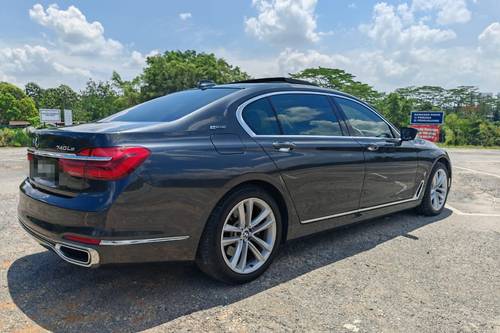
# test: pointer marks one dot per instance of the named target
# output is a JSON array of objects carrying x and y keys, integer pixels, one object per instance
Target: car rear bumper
[{"x": 49, "y": 225}]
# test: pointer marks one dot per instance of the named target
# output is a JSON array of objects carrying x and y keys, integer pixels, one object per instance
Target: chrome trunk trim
[{"x": 67, "y": 156}]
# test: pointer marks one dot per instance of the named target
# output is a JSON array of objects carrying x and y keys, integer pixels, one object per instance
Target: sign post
[
  {"x": 428, "y": 124},
  {"x": 68, "y": 117}
]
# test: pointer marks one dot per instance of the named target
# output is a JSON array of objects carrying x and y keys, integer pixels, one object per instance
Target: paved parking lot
[{"x": 401, "y": 273}]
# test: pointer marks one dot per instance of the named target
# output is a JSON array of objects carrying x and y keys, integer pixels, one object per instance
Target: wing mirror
[{"x": 408, "y": 133}]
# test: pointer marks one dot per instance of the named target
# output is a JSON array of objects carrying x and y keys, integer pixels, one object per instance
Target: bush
[{"x": 17, "y": 137}]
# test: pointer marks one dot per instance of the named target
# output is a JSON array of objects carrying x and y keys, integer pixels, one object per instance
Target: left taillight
[{"x": 109, "y": 163}]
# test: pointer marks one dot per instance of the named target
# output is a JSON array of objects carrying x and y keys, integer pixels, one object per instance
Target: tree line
[{"x": 471, "y": 117}]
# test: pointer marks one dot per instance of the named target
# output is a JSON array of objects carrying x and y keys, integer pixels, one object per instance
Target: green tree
[
  {"x": 98, "y": 100},
  {"x": 177, "y": 70},
  {"x": 129, "y": 91},
  {"x": 16, "y": 105},
  {"x": 338, "y": 79},
  {"x": 396, "y": 109},
  {"x": 34, "y": 91},
  {"x": 62, "y": 97}
]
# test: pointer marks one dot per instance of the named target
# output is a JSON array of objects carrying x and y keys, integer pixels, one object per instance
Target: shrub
[{"x": 14, "y": 137}]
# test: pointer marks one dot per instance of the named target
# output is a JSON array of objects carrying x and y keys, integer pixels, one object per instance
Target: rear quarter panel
[{"x": 183, "y": 181}]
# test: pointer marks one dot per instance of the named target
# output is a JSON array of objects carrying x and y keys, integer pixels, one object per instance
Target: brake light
[
  {"x": 115, "y": 162},
  {"x": 83, "y": 240},
  {"x": 29, "y": 156}
]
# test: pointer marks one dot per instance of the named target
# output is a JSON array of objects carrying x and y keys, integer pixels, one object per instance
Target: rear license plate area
[{"x": 44, "y": 171}]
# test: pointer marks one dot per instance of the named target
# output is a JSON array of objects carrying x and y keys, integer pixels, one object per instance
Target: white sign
[
  {"x": 50, "y": 116},
  {"x": 68, "y": 117}
]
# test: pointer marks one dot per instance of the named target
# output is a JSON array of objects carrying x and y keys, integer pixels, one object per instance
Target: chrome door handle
[
  {"x": 372, "y": 147},
  {"x": 284, "y": 147}
]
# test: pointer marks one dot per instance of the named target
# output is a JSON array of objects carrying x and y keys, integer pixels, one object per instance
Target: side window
[
  {"x": 306, "y": 114},
  {"x": 364, "y": 121},
  {"x": 259, "y": 116}
]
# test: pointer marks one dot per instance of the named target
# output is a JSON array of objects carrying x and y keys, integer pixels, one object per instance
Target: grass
[{"x": 444, "y": 145}]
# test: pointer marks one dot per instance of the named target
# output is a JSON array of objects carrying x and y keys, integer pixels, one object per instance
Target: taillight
[
  {"x": 105, "y": 163},
  {"x": 29, "y": 156}
]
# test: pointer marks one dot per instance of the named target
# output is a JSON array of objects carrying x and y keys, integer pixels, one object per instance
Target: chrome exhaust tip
[{"x": 77, "y": 255}]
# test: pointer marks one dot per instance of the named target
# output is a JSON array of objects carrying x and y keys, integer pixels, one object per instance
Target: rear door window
[
  {"x": 306, "y": 114},
  {"x": 260, "y": 117},
  {"x": 364, "y": 122},
  {"x": 172, "y": 106}
]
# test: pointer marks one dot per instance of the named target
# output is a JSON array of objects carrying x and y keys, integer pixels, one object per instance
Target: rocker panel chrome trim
[{"x": 414, "y": 198}]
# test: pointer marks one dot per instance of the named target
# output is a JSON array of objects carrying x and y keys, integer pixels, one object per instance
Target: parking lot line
[
  {"x": 476, "y": 171},
  {"x": 459, "y": 212}
]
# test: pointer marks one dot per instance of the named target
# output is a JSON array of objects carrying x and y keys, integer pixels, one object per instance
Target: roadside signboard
[
  {"x": 68, "y": 117},
  {"x": 428, "y": 132},
  {"x": 427, "y": 117},
  {"x": 52, "y": 116}
]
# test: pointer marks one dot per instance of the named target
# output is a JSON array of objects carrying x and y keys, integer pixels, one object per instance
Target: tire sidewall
[{"x": 227, "y": 206}]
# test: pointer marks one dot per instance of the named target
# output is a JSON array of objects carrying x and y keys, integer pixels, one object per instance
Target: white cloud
[
  {"x": 137, "y": 59},
  {"x": 395, "y": 27},
  {"x": 489, "y": 39},
  {"x": 387, "y": 70},
  {"x": 78, "y": 51},
  {"x": 185, "y": 16},
  {"x": 448, "y": 11},
  {"x": 284, "y": 22},
  {"x": 74, "y": 31}
]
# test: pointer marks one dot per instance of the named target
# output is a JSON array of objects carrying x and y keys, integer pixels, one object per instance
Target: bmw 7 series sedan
[{"x": 222, "y": 175}]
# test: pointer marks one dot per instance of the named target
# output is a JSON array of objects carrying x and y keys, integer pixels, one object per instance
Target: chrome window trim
[
  {"x": 68, "y": 156},
  {"x": 241, "y": 107},
  {"x": 414, "y": 198},
  {"x": 142, "y": 241}
]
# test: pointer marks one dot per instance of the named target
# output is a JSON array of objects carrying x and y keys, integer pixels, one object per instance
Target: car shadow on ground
[{"x": 61, "y": 297}]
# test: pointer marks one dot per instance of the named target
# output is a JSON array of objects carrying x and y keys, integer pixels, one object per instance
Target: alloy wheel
[
  {"x": 439, "y": 188},
  {"x": 248, "y": 235}
]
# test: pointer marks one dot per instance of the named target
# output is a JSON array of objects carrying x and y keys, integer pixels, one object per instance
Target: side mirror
[{"x": 408, "y": 133}]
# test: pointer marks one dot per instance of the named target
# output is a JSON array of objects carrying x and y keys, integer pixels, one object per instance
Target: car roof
[{"x": 256, "y": 86}]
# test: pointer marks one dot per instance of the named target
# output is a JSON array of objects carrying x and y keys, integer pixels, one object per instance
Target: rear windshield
[{"x": 171, "y": 107}]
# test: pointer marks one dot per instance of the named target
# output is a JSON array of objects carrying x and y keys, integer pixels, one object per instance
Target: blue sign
[{"x": 427, "y": 117}]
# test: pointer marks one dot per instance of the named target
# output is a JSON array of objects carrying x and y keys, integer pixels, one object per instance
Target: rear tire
[
  {"x": 237, "y": 247},
  {"x": 436, "y": 191}
]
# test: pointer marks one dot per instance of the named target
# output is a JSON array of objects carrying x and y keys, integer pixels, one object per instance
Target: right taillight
[{"x": 109, "y": 163}]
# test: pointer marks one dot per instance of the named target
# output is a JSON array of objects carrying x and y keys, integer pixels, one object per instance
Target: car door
[
  {"x": 391, "y": 164},
  {"x": 322, "y": 169}
]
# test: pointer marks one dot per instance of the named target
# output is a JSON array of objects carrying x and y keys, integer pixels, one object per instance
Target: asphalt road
[{"x": 401, "y": 273}]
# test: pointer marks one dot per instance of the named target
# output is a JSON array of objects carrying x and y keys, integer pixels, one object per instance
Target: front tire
[
  {"x": 241, "y": 237},
  {"x": 436, "y": 191}
]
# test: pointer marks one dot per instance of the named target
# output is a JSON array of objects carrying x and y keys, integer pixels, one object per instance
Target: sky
[{"x": 388, "y": 44}]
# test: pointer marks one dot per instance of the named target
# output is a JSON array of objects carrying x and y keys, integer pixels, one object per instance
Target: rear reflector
[
  {"x": 83, "y": 240},
  {"x": 123, "y": 160}
]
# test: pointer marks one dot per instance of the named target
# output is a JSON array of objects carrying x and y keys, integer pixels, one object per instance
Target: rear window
[{"x": 172, "y": 106}]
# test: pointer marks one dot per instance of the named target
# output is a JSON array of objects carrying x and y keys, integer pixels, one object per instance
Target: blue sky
[{"x": 388, "y": 44}]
